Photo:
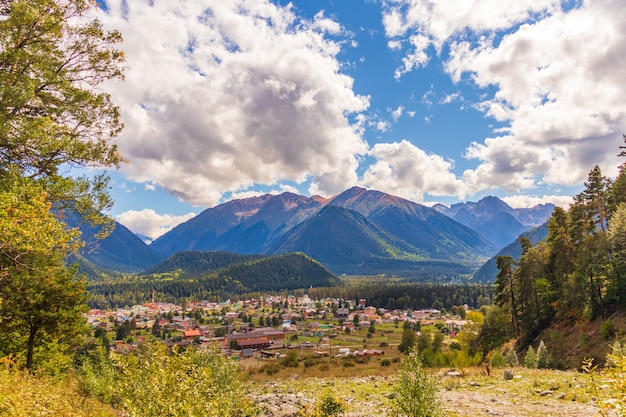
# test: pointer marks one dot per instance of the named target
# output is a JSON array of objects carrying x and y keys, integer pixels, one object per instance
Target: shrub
[
  {"x": 328, "y": 406},
  {"x": 511, "y": 357},
  {"x": 612, "y": 399},
  {"x": 607, "y": 329},
  {"x": 543, "y": 356},
  {"x": 497, "y": 360},
  {"x": 385, "y": 362},
  {"x": 415, "y": 391},
  {"x": 290, "y": 360},
  {"x": 348, "y": 363},
  {"x": 155, "y": 382},
  {"x": 271, "y": 369},
  {"x": 455, "y": 346},
  {"x": 530, "y": 360},
  {"x": 26, "y": 394}
]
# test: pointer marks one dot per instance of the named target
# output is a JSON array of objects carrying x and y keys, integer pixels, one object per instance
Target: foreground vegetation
[{"x": 168, "y": 386}]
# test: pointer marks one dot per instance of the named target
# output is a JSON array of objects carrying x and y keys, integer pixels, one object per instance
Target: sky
[{"x": 430, "y": 100}]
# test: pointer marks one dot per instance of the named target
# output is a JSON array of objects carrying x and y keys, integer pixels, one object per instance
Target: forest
[{"x": 579, "y": 271}]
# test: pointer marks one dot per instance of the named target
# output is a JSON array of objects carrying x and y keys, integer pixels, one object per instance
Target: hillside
[
  {"x": 358, "y": 239},
  {"x": 487, "y": 273},
  {"x": 196, "y": 263},
  {"x": 243, "y": 274},
  {"x": 121, "y": 251}
]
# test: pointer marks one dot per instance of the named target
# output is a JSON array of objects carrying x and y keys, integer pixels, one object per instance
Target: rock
[
  {"x": 545, "y": 393},
  {"x": 453, "y": 373},
  {"x": 508, "y": 375}
]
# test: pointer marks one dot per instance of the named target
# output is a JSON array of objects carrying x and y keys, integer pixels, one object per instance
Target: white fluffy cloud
[
  {"x": 222, "y": 95},
  {"x": 405, "y": 170},
  {"x": 522, "y": 201},
  {"x": 552, "y": 76},
  {"x": 149, "y": 223}
]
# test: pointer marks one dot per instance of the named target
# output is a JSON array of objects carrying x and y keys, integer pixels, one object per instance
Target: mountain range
[
  {"x": 495, "y": 220},
  {"x": 358, "y": 232}
]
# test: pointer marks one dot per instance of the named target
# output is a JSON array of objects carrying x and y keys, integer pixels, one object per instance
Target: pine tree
[
  {"x": 530, "y": 360},
  {"x": 543, "y": 356}
]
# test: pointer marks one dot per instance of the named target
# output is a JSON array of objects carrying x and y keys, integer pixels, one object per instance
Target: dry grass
[{"x": 529, "y": 393}]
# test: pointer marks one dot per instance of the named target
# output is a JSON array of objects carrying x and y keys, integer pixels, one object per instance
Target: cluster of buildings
[{"x": 187, "y": 324}]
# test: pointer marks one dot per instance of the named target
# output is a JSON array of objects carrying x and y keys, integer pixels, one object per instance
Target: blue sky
[{"x": 433, "y": 101}]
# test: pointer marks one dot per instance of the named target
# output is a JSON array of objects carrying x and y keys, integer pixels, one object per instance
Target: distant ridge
[
  {"x": 380, "y": 233},
  {"x": 495, "y": 220},
  {"x": 487, "y": 273},
  {"x": 120, "y": 251}
]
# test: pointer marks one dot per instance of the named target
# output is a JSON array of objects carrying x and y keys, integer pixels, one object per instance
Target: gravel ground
[{"x": 565, "y": 396}]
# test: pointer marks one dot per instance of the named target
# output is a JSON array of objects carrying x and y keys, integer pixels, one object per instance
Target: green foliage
[
  {"x": 530, "y": 360},
  {"x": 154, "y": 382},
  {"x": 607, "y": 329},
  {"x": 511, "y": 357},
  {"x": 195, "y": 263},
  {"x": 543, "y": 356},
  {"x": 41, "y": 300},
  {"x": 578, "y": 272},
  {"x": 99, "y": 377},
  {"x": 497, "y": 360},
  {"x": 415, "y": 390},
  {"x": 52, "y": 114},
  {"x": 612, "y": 396},
  {"x": 496, "y": 329},
  {"x": 268, "y": 273},
  {"x": 328, "y": 406},
  {"x": 408, "y": 341},
  {"x": 26, "y": 394},
  {"x": 291, "y": 359}
]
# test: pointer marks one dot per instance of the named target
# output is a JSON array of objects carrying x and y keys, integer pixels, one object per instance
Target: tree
[
  {"x": 617, "y": 241},
  {"x": 543, "y": 356},
  {"x": 530, "y": 360},
  {"x": 504, "y": 290},
  {"x": 40, "y": 299},
  {"x": 52, "y": 115},
  {"x": 415, "y": 391},
  {"x": 408, "y": 340}
]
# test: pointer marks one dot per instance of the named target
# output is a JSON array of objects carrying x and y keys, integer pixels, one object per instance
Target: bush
[
  {"x": 155, "y": 382},
  {"x": 290, "y": 360},
  {"x": 26, "y": 394},
  {"x": 349, "y": 363},
  {"x": 530, "y": 360},
  {"x": 543, "y": 356},
  {"x": 455, "y": 346},
  {"x": 497, "y": 360},
  {"x": 511, "y": 357},
  {"x": 415, "y": 391},
  {"x": 328, "y": 406},
  {"x": 385, "y": 362},
  {"x": 612, "y": 398},
  {"x": 607, "y": 329},
  {"x": 271, "y": 369}
]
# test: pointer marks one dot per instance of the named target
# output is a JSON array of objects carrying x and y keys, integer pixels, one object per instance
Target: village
[{"x": 271, "y": 326}]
